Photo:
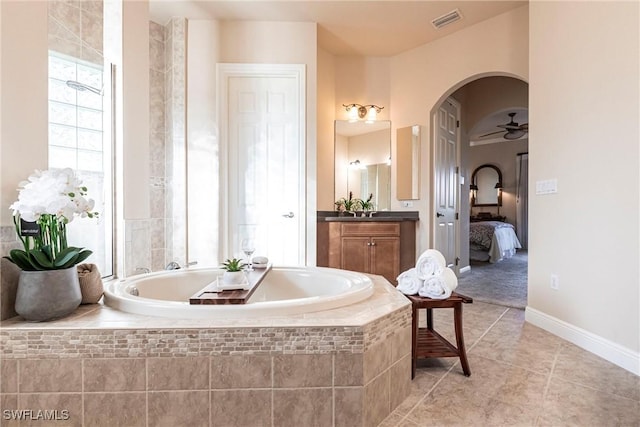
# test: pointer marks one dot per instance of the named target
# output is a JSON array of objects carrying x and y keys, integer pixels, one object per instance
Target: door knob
[
  {"x": 288, "y": 215},
  {"x": 438, "y": 214}
]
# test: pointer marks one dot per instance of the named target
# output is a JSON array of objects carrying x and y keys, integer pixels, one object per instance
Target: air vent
[{"x": 447, "y": 19}]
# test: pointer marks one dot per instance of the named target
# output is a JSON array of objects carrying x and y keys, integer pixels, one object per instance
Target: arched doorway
[{"x": 485, "y": 104}]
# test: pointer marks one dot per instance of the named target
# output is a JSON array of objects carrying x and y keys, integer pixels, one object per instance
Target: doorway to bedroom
[{"x": 493, "y": 141}]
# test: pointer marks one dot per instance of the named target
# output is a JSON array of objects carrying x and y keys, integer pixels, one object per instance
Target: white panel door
[
  {"x": 445, "y": 155},
  {"x": 266, "y": 167}
]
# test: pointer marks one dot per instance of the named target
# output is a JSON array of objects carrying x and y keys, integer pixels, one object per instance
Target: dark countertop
[{"x": 382, "y": 216}]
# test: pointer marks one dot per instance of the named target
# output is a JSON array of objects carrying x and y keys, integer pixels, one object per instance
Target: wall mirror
[
  {"x": 486, "y": 186},
  {"x": 408, "y": 163},
  {"x": 363, "y": 161}
]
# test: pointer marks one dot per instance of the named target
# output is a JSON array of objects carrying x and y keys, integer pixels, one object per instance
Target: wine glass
[{"x": 248, "y": 247}]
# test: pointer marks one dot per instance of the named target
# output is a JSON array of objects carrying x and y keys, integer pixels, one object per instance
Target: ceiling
[{"x": 356, "y": 27}]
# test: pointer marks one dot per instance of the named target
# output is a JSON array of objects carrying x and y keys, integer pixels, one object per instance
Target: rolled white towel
[
  {"x": 435, "y": 287},
  {"x": 430, "y": 263},
  {"x": 450, "y": 278},
  {"x": 408, "y": 282}
]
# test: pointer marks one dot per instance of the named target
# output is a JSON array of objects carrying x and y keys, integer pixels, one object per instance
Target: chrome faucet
[
  {"x": 142, "y": 270},
  {"x": 172, "y": 266}
]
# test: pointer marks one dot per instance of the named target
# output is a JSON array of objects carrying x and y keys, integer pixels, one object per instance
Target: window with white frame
[{"x": 77, "y": 140}]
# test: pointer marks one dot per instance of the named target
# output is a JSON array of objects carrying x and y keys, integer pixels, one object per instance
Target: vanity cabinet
[{"x": 385, "y": 248}]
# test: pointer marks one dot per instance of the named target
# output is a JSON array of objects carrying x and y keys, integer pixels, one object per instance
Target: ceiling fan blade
[
  {"x": 524, "y": 126},
  {"x": 514, "y": 134},
  {"x": 492, "y": 133},
  {"x": 510, "y": 126}
]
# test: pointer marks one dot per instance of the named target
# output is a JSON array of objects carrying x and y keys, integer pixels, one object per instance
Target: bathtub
[{"x": 284, "y": 291}]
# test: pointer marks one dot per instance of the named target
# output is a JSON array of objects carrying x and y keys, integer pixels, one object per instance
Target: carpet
[{"x": 503, "y": 283}]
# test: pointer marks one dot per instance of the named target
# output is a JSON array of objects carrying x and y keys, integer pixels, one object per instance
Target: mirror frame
[
  {"x": 408, "y": 163},
  {"x": 473, "y": 182}
]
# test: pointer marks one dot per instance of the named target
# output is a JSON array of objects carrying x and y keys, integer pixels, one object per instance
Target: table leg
[
  {"x": 457, "y": 315},
  {"x": 430, "y": 319},
  {"x": 414, "y": 339}
]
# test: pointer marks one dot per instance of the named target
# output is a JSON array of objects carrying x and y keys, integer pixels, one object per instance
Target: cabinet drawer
[{"x": 370, "y": 229}]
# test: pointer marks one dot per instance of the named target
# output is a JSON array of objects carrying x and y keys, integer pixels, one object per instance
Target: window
[{"x": 77, "y": 141}]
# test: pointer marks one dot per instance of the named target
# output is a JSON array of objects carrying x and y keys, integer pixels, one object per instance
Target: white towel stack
[{"x": 430, "y": 277}]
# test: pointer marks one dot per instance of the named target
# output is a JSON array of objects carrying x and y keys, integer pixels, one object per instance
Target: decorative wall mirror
[
  {"x": 408, "y": 163},
  {"x": 362, "y": 161},
  {"x": 486, "y": 186}
]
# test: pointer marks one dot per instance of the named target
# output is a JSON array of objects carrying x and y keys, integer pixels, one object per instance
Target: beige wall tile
[
  {"x": 348, "y": 369},
  {"x": 241, "y": 408},
  {"x": 376, "y": 360},
  {"x": 240, "y": 372},
  {"x": 8, "y": 376},
  {"x": 178, "y": 373},
  {"x": 349, "y": 407},
  {"x": 115, "y": 409},
  {"x": 376, "y": 400},
  {"x": 64, "y": 403},
  {"x": 178, "y": 408},
  {"x": 50, "y": 375},
  {"x": 302, "y": 370},
  {"x": 8, "y": 288},
  {"x": 399, "y": 381},
  {"x": 91, "y": 31},
  {"x": 8, "y": 402},
  {"x": 400, "y": 343},
  {"x": 114, "y": 375},
  {"x": 302, "y": 407}
]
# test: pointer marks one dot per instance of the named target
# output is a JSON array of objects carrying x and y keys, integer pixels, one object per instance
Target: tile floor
[{"x": 521, "y": 375}]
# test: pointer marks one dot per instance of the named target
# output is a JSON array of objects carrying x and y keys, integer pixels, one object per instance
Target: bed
[{"x": 492, "y": 241}]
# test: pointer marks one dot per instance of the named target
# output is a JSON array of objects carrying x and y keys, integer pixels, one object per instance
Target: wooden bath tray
[{"x": 210, "y": 294}]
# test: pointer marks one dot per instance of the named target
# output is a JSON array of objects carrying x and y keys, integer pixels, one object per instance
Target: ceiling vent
[{"x": 447, "y": 19}]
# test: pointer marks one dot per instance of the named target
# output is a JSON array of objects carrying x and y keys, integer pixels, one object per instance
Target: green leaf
[
  {"x": 23, "y": 260},
  {"x": 41, "y": 259},
  {"x": 47, "y": 251},
  {"x": 65, "y": 255}
]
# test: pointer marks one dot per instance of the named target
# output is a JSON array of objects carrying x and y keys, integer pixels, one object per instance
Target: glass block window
[{"x": 77, "y": 141}]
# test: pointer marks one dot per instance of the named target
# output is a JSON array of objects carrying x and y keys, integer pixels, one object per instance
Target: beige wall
[
  {"x": 326, "y": 116},
  {"x": 203, "y": 52},
  {"x": 421, "y": 78},
  {"x": 584, "y": 113},
  {"x": 23, "y": 100}
]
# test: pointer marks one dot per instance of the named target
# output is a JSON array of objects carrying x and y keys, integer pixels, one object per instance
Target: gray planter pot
[{"x": 48, "y": 295}]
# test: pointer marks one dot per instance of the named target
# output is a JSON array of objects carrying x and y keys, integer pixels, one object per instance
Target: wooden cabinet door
[
  {"x": 355, "y": 254},
  {"x": 385, "y": 257}
]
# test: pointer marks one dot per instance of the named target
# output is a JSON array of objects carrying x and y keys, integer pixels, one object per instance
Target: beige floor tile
[
  {"x": 577, "y": 365},
  {"x": 572, "y": 404},
  {"x": 521, "y": 375}
]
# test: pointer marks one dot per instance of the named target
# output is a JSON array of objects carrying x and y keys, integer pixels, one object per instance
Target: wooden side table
[{"x": 427, "y": 342}]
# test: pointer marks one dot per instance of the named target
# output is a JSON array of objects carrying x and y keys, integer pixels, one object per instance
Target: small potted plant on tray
[{"x": 233, "y": 273}]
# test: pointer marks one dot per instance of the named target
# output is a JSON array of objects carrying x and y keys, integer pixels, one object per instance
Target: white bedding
[{"x": 502, "y": 238}]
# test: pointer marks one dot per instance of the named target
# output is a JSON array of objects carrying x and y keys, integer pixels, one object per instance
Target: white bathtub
[{"x": 284, "y": 291}]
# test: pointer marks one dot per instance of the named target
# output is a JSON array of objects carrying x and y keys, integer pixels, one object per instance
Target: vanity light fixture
[
  {"x": 356, "y": 165},
  {"x": 358, "y": 111}
]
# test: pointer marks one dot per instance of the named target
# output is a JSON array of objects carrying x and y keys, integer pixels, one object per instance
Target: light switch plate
[{"x": 547, "y": 186}]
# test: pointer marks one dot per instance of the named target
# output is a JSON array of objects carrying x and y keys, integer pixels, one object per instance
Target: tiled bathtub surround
[{"x": 348, "y": 366}]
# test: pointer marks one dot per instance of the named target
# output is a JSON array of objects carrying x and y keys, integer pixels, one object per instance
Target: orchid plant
[{"x": 51, "y": 199}]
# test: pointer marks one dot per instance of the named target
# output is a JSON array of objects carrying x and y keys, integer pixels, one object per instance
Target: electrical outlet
[
  {"x": 407, "y": 204},
  {"x": 555, "y": 282}
]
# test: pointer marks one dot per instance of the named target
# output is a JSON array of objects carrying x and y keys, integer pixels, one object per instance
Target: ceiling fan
[{"x": 513, "y": 129}]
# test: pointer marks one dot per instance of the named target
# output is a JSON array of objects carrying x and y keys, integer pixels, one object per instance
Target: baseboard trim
[
  {"x": 608, "y": 350},
  {"x": 465, "y": 269}
]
